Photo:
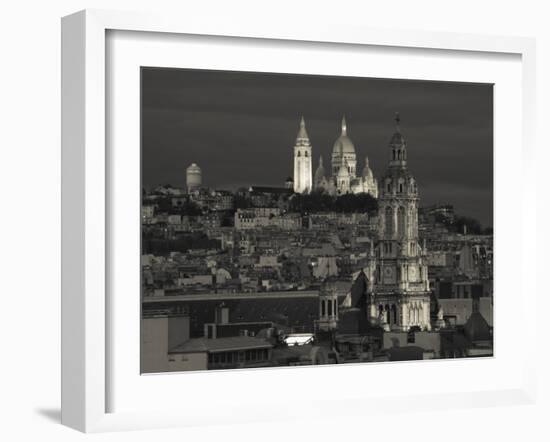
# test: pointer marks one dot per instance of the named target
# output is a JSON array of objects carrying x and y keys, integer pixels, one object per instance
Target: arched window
[
  {"x": 398, "y": 154},
  {"x": 401, "y": 221},
  {"x": 389, "y": 221},
  {"x": 393, "y": 154},
  {"x": 305, "y": 154},
  {"x": 299, "y": 154},
  {"x": 400, "y": 187},
  {"x": 330, "y": 308},
  {"x": 322, "y": 308}
]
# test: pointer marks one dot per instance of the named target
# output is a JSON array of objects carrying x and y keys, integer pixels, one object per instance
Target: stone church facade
[
  {"x": 342, "y": 177},
  {"x": 400, "y": 293},
  {"x": 395, "y": 286}
]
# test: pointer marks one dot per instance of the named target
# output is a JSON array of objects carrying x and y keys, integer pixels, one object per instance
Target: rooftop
[{"x": 234, "y": 343}]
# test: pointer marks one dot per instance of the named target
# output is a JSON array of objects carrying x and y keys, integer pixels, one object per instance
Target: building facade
[
  {"x": 400, "y": 292},
  {"x": 343, "y": 176}
]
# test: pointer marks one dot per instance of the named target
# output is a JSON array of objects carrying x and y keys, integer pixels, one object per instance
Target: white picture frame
[{"x": 85, "y": 202}]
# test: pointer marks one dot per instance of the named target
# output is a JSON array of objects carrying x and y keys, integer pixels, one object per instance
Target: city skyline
[
  {"x": 223, "y": 120},
  {"x": 279, "y": 274}
]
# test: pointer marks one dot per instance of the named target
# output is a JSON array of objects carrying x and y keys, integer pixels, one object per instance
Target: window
[
  {"x": 330, "y": 308},
  {"x": 389, "y": 221},
  {"x": 401, "y": 219}
]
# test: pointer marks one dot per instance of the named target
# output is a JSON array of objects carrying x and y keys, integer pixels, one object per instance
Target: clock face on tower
[{"x": 388, "y": 274}]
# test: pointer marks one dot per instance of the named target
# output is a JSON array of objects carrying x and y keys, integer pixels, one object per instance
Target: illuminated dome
[
  {"x": 343, "y": 145},
  {"x": 367, "y": 172},
  {"x": 194, "y": 168},
  {"x": 193, "y": 177},
  {"x": 320, "y": 172}
]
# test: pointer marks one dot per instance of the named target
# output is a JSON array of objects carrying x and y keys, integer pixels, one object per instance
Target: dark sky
[{"x": 240, "y": 129}]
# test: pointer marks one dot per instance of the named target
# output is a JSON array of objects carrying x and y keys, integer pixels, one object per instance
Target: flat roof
[
  {"x": 234, "y": 343},
  {"x": 222, "y": 296}
]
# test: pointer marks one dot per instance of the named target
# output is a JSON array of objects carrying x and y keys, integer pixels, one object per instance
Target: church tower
[
  {"x": 401, "y": 291},
  {"x": 319, "y": 179},
  {"x": 302, "y": 161}
]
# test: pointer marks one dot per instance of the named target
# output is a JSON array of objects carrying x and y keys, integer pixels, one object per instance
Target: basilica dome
[{"x": 343, "y": 145}]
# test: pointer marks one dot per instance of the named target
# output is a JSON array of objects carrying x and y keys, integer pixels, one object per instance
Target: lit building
[
  {"x": 193, "y": 178},
  {"x": 343, "y": 177},
  {"x": 302, "y": 161},
  {"x": 400, "y": 292}
]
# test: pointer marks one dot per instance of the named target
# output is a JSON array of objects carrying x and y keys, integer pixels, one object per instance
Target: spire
[
  {"x": 367, "y": 172},
  {"x": 302, "y": 133},
  {"x": 320, "y": 172},
  {"x": 397, "y": 121},
  {"x": 344, "y": 127}
]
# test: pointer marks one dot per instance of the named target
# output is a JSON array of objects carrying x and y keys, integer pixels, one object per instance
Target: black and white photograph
[{"x": 295, "y": 220}]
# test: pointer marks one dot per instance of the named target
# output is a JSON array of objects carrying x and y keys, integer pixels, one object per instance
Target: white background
[{"x": 30, "y": 221}]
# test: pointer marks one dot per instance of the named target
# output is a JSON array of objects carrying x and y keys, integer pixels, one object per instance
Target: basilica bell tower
[{"x": 302, "y": 161}]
